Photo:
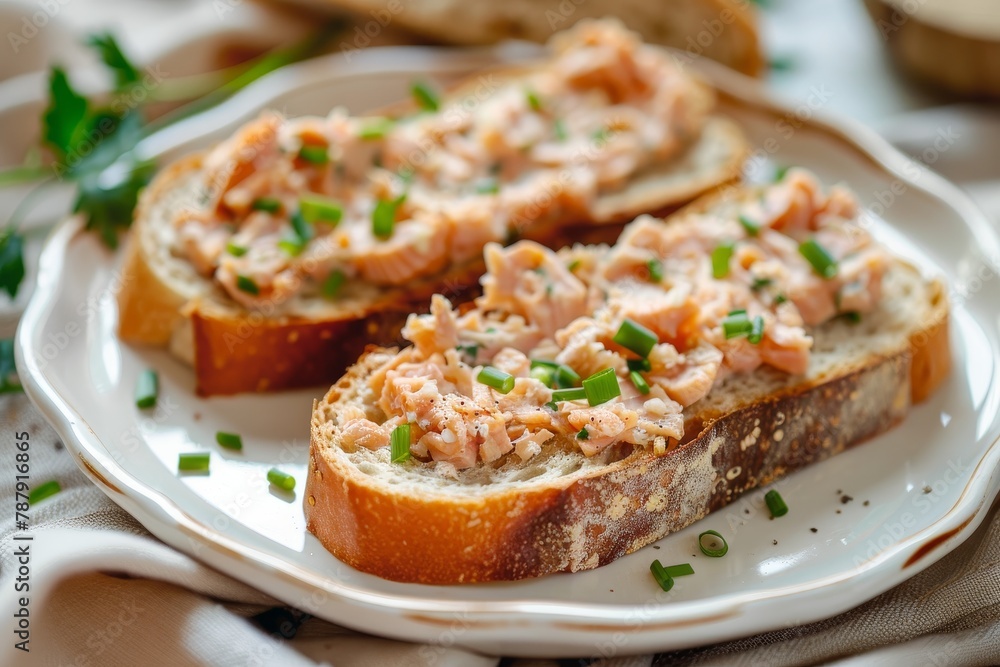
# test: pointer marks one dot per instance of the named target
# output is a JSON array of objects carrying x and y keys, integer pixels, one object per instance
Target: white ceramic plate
[{"x": 917, "y": 491}]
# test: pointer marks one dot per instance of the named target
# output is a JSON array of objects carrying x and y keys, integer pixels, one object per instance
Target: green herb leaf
[
  {"x": 11, "y": 262},
  {"x": 7, "y": 369},
  {"x": 124, "y": 71},
  {"x": 107, "y": 200},
  {"x": 64, "y": 120}
]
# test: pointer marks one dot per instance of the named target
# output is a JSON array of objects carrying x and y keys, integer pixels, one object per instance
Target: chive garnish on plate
[
  {"x": 229, "y": 440},
  {"x": 194, "y": 461},
  {"x": 775, "y": 503},
  {"x": 713, "y": 544},
  {"x": 281, "y": 479},
  {"x": 147, "y": 388},
  {"x": 43, "y": 491}
]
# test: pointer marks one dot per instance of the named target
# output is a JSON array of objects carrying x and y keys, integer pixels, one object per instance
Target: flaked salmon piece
[
  {"x": 786, "y": 348},
  {"x": 512, "y": 361},
  {"x": 672, "y": 314},
  {"x": 604, "y": 425},
  {"x": 362, "y": 432},
  {"x": 792, "y": 203},
  {"x": 413, "y": 250},
  {"x": 584, "y": 350},
  {"x": 600, "y": 55},
  {"x": 252, "y": 149},
  {"x": 494, "y": 335},
  {"x": 436, "y": 333},
  {"x": 692, "y": 378},
  {"x": 530, "y": 443},
  {"x": 528, "y": 280}
]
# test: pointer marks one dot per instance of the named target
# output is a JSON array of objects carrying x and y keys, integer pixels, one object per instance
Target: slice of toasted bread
[
  {"x": 562, "y": 511},
  {"x": 164, "y": 302}
]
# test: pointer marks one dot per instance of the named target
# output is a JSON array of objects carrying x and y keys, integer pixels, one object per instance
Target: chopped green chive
[
  {"x": 147, "y": 387},
  {"x": 720, "y": 260},
  {"x": 736, "y": 324},
  {"x": 682, "y": 570},
  {"x": 43, "y": 491},
  {"x": 280, "y": 479},
  {"x": 780, "y": 172},
  {"x": 384, "y": 216},
  {"x": 302, "y": 227},
  {"x": 269, "y": 204},
  {"x": 314, "y": 154},
  {"x": 315, "y": 208},
  {"x": 235, "y": 250},
  {"x": 573, "y": 265},
  {"x": 760, "y": 283},
  {"x": 822, "y": 261},
  {"x": 400, "y": 441},
  {"x": 756, "y": 330},
  {"x": 639, "y": 382},
  {"x": 633, "y": 336},
  {"x": 488, "y": 186},
  {"x": 293, "y": 247},
  {"x": 665, "y": 581},
  {"x": 534, "y": 102},
  {"x": 655, "y": 268},
  {"x": 247, "y": 285},
  {"x": 425, "y": 96},
  {"x": 375, "y": 128},
  {"x": 559, "y": 128},
  {"x": 544, "y": 374},
  {"x": 333, "y": 283},
  {"x": 753, "y": 229},
  {"x": 196, "y": 461},
  {"x": 584, "y": 434},
  {"x": 852, "y": 316},
  {"x": 780, "y": 299},
  {"x": 602, "y": 386},
  {"x": 574, "y": 394},
  {"x": 775, "y": 503},
  {"x": 229, "y": 440},
  {"x": 600, "y": 134},
  {"x": 713, "y": 544},
  {"x": 566, "y": 377},
  {"x": 496, "y": 378},
  {"x": 639, "y": 365}
]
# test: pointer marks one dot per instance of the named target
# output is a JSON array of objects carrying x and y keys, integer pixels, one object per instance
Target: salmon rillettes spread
[
  {"x": 303, "y": 206},
  {"x": 647, "y": 327}
]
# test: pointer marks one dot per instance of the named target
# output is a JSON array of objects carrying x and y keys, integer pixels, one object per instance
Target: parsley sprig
[{"x": 92, "y": 142}]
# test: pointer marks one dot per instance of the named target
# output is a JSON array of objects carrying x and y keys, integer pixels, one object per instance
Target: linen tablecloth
[{"x": 105, "y": 592}]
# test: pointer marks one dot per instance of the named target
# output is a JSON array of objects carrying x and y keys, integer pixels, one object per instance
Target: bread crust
[
  {"x": 234, "y": 350},
  {"x": 587, "y": 519}
]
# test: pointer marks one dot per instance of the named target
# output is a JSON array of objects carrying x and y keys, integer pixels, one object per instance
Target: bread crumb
[
  {"x": 774, "y": 542},
  {"x": 844, "y": 499},
  {"x": 866, "y": 503},
  {"x": 927, "y": 489},
  {"x": 814, "y": 530}
]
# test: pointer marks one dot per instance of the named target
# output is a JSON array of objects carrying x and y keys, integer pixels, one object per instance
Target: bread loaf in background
[{"x": 723, "y": 30}]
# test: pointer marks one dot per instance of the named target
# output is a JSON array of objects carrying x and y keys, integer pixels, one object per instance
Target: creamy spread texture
[
  {"x": 302, "y": 206},
  {"x": 714, "y": 293}
]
